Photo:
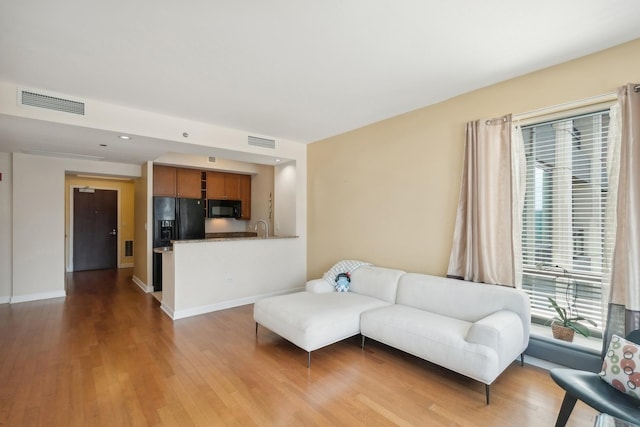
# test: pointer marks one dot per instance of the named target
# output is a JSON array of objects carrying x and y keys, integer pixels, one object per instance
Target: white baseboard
[
  {"x": 36, "y": 297},
  {"x": 5, "y": 299},
  {"x": 167, "y": 310},
  {"x": 203, "y": 309},
  {"x": 145, "y": 288},
  {"x": 126, "y": 265}
]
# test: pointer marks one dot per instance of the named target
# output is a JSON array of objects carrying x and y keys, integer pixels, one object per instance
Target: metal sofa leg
[
  {"x": 256, "y": 329},
  {"x": 522, "y": 359},
  {"x": 308, "y": 359},
  {"x": 363, "y": 342},
  {"x": 568, "y": 403},
  {"x": 487, "y": 390}
]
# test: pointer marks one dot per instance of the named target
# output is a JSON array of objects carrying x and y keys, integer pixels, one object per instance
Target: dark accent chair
[{"x": 589, "y": 388}]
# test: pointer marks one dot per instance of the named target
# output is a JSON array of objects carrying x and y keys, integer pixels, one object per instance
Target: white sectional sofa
[{"x": 474, "y": 329}]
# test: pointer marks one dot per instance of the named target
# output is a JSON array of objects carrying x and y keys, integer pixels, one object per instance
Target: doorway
[{"x": 95, "y": 229}]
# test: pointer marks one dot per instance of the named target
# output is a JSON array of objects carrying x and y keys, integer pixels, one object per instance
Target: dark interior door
[{"x": 95, "y": 222}]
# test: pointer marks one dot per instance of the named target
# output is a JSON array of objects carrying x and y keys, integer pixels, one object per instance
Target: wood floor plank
[{"x": 106, "y": 355}]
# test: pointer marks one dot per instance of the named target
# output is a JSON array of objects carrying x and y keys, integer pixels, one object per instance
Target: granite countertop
[
  {"x": 222, "y": 237},
  {"x": 230, "y": 235}
]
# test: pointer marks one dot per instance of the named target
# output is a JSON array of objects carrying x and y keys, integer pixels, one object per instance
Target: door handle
[{"x": 113, "y": 232}]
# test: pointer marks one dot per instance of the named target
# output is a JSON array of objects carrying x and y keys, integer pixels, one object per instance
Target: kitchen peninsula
[{"x": 201, "y": 276}]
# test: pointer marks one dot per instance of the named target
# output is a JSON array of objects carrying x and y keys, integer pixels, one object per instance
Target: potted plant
[{"x": 565, "y": 324}]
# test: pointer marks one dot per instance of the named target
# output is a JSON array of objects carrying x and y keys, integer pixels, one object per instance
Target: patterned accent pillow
[
  {"x": 621, "y": 366},
  {"x": 345, "y": 266}
]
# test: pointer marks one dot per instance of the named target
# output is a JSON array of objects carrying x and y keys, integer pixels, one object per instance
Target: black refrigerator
[
  {"x": 174, "y": 219},
  {"x": 189, "y": 219}
]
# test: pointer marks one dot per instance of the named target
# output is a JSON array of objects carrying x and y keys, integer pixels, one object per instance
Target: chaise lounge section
[{"x": 320, "y": 316}]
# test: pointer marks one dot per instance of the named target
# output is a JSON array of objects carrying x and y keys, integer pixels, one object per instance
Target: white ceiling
[{"x": 295, "y": 69}]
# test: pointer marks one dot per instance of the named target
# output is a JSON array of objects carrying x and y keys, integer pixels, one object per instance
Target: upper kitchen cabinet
[
  {"x": 189, "y": 183},
  {"x": 164, "y": 181},
  {"x": 245, "y": 196},
  {"x": 221, "y": 185},
  {"x": 169, "y": 181}
]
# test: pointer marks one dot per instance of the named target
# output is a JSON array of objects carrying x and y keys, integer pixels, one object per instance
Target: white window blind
[{"x": 563, "y": 235}]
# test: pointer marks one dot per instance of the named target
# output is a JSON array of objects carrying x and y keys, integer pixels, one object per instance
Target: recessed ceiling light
[
  {"x": 124, "y": 137},
  {"x": 278, "y": 160}
]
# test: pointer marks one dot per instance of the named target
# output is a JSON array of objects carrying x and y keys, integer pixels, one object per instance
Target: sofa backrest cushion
[
  {"x": 377, "y": 282},
  {"x": 460, "y": 299}
]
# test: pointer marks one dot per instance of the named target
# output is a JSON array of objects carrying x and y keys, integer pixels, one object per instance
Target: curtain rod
[{"x": 599, "y": 99}]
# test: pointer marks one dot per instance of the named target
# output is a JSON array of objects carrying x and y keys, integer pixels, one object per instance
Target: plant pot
[{"x": 562, "y": 333}]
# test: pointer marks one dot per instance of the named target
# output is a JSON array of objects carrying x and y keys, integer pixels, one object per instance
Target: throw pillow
[
  {"x": 348, "y": 265},
  {"x": 621, "y": 366}
]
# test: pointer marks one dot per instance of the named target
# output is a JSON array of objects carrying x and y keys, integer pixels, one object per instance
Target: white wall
[
  {"x": 38, "y": 221},
  {"x": 200, "y": 277},
  {"x": 131, "y": 121},
  {"x": 5, "y": 228},
  {"x": 290, "y": 213},
  {"x": 202, "y": 162}
]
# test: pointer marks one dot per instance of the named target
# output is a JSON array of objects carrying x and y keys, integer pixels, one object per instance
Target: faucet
[{"x": 266, "y": 227}]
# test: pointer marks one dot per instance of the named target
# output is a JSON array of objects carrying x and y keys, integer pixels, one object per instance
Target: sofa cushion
[
  {"x": 311, "y": 320},
  {"x": 463, "y": 300},
  {"x": 377, "y": 282},
  {"x": 433, "y": 337}
]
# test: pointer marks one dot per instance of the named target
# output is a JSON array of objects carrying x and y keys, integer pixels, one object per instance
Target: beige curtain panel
[
  {"x": 483, "y": 243},
  {"x": 624, "y": 297}
]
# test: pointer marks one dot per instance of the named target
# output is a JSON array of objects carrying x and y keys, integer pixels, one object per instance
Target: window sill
[
  {"x": 583, "y": 353},
  {"x": 544, "y": 333}
]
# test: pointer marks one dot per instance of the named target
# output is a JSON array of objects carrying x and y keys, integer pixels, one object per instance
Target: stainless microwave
[{"x": 224, "y": 208}]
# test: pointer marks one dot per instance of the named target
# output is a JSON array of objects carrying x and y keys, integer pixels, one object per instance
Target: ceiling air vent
[
  {"x": 34, "y": 99},
  {"x": 262, "y": 142}
]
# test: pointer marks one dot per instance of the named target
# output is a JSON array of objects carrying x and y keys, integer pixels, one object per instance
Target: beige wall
[
  {"x": 142, "y": 243},
  {"x": 125, "y": 212},
  {"x": 387, "y": 193}
]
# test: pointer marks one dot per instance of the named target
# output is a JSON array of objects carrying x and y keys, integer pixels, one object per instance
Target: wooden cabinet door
[
  {"x": 215, "y": 185},
  {"x": 245, "y": 196},
  {"x": 232, "y": 186},
  {"x": 189, "y": 183},
  {"x": 164, "y": 181}
]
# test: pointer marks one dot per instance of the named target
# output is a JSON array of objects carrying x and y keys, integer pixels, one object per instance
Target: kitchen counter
[
  {"x": 226, "y": 238},
  {"x": 204, "y": 275},
  {"x": 221, "y": 237},
  {"x": 162, "y": 249},
  {"x": 230, "y": 234}
]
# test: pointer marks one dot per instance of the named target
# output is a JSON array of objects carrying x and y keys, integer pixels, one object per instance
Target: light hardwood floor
[{"x": 106, "y": 355}]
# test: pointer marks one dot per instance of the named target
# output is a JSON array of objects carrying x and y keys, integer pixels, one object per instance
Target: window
[{"x": 563, "y": 234}]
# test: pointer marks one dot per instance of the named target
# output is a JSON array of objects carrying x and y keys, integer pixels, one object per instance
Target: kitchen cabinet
[
  {"x": 169, "y": 181},
  {"x": 215, "y": 185},
  {"x": 245, "y": 196},
  {"x": 222, "y": 185},
  {"x": 189, "y": 183},
  {"x": 164, "y": 181}
]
